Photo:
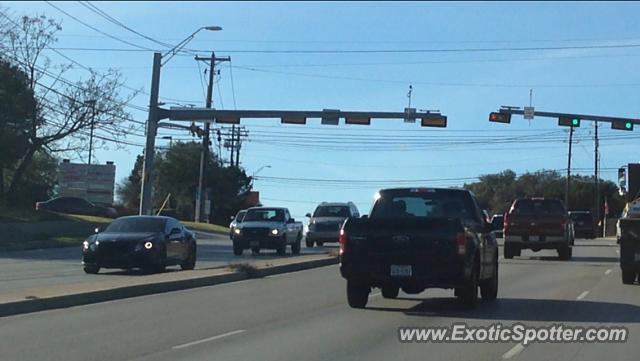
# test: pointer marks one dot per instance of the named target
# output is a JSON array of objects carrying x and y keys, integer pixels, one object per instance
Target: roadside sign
[{"x": 528, "y": 112}]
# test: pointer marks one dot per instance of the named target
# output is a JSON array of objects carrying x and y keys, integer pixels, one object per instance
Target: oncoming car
[{"x": 148, "y": 242}]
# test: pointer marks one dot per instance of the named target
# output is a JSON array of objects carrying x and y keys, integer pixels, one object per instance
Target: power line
[{"x": 139, "y": 47}]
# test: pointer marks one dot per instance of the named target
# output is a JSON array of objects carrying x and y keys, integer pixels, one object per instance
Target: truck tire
[
  {"x": 357, "y": 294},
  {"x": 508, "y": 251},
  {"x": 295, "y": 247},
  {"x": 390, "y": 291},
  {"x": 489, "y": 288},
  {"x": 319, "y": 244},
  {"x": 309, "y": 243},
  {"x": 190, "y": 262},
  {"x": 282, "y": 247},
  {"x": 565, "y": 253},
  {"x": 468, "y": 294},
  {"x": 237, "y": 250},
  {"x": 628, "y": 277},
  {"x": 91, "y": 269}
]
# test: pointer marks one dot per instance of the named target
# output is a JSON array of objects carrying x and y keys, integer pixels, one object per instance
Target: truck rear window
[
  {"x": 332, "y": 211},
  {"x": 538, "y": 207},
  {"x": 438, "y": 204}
]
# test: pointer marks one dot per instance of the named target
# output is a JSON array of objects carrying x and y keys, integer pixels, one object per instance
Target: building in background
[{"x": 93, "y": 182}]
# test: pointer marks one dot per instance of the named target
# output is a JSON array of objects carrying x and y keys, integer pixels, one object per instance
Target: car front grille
[{"x": 255, "y": 232}]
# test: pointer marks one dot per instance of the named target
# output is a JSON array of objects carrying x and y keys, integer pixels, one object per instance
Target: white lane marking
[
  {"x": 374, "y": 294},
  {"x": 582, "y": 295},
  {"x": 513, "y": 351},
  {"x": 607, "y": 271},
  {"x": 208, "y": 339}
]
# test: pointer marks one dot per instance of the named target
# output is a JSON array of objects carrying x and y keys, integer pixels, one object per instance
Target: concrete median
[{"x": 47, "y": 298}]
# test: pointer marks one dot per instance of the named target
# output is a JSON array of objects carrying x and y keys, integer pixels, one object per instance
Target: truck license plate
[
  {"x": 534, "y": 238},
  {"x": 637, "y": 257},
  {"x": 254, "y": 244},
  {"x": 401, "y": 270}
]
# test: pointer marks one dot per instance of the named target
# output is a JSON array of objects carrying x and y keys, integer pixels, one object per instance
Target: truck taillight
[
  {"x": 505, "y": 222},
  {"x": 461, "y": 243},
  {"x": 343, "y": 241}
]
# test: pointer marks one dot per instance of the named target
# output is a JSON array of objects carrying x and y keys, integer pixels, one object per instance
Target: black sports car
[{"x": 147, "y": 242}]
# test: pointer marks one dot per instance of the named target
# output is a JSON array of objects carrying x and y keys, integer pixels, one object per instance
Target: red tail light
[
  {"x": 461, "y": 243},
  {"x": 505, "y": 222},
  {"x": 343, "y": 241}
]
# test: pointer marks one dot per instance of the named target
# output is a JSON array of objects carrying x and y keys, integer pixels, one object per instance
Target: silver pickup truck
[{"x": 267, "y": 228}]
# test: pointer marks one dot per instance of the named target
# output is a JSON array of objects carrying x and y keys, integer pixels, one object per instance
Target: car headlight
[
  {"x": 148, "y": 245},
  {"x": 237, "y": 231},
  {"x": 85, "y": 245},
  {"x": 274, "y": 232}
]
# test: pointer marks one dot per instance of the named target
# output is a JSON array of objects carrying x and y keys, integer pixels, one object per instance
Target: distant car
[
  {"x": 267, "y": 227},
  {"x": 583, "y": 224},
  {"x": 75, "y": 205},
  {"x": 497, "y": 222},
  {"x": 325, "y": 223},
  {"x": 235, "y": 221},
  {"x": 538, "y": 223},
  {"x": 148, "y": 242}
]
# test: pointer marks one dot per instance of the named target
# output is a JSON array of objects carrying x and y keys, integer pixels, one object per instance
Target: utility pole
[
  {"x": 238, "y": 145},
  {"x": 233, "y": 141},
  {"x": 568, "y": 181},
  {"x": 596, "y": 176},
  {"x": 92, "y": 103},
  {"x": 149, "y": 149},
  {"x": 204, "y": 153}
]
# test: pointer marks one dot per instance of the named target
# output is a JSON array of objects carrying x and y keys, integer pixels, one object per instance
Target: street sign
[
  {"x": 434, "y": 120},
  {"x": 410, "y": 115},
  {"x": 529, "y": 112},
  {"x": 331, "y": 116}
]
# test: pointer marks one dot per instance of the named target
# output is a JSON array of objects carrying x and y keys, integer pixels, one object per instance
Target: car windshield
[
  {"x": 332, "y": 211},
  {"x": 240, "y": 216},
  {"x": 538, "y": 207},
  {"x": 136, "y": 225},
  {"x": 425, "y": 204},
  {"x": 582, "y": 217},
  {"x": 264, "y": 215}
]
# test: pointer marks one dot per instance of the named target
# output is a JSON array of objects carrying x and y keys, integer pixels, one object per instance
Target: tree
[
  {"x": 66, "y": 110},
  {"x": 17, "y": 106},
  {"x": 177, "y": 173}
]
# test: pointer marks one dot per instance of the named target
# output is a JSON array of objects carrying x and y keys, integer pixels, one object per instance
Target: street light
[
  {"x": 173, "y": 51},
  {"x": 146, "y": 193},
  {"x": 259, "y": 169}
]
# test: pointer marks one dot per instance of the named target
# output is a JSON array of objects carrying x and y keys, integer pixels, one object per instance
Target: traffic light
[
  {"x": 500, "y": 117},
  {"x": 622, "y": 124},
  {"x": 195, "y": 130},
  {"x": 434, "y": 120},
  {"x": 569, "y": 122}
]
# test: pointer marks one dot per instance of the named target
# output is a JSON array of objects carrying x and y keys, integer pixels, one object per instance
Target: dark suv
[
  {"x": 583, "y": 224},
  {"x": 535, "y": 224}
]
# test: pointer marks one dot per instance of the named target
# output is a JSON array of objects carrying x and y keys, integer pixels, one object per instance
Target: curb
[{"x": 79, "y": 299}]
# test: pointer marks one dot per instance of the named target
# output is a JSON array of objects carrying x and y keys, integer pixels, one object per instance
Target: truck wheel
[
  {"x": 508, "y": 251},
  {"x": 468, "y": 294},
  {"x": 628, "y": 277},
  {"x": 91, "y": 269},
  {"x": 282, "y": 247},
  {"x": 390, "y": 291},
  {"x": 565, "y": 253},
  {"x": 237, "y": 250},
  {"x": 357, "y": 294},
  {"x": 489, "y": 288},
  {"x": 319, "y": 244},
  {"x": 295, "y": 248},
  {"x": 309, "y": 243}
]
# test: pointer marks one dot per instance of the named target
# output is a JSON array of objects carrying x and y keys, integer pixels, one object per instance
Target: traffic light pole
[
  {"x": 568, "y": 181},
  {"x": 146, "y": 202},
  {"x": 597, "y": 176}
]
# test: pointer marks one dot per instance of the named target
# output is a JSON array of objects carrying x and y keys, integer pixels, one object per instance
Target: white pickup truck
[{"x": 267, "y": 228}]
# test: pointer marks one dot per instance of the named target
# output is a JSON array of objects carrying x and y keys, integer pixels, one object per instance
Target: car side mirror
[
  {"x": 308, "y": 215},
  {"x": 291, "y": 220},
  {"x": 175, "y": 231},
  {"x": 232, "y": 218},
  {"x": 97, "y": 230}
]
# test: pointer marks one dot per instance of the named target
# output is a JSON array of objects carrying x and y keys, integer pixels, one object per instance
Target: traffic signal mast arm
[{"x": 616, "y": 122}]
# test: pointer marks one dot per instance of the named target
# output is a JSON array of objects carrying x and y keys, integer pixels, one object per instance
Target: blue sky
[{"x": 464, "y": 85}]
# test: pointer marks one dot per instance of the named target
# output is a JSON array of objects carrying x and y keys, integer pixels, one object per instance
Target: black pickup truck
[{"x": 418, "y": 238}]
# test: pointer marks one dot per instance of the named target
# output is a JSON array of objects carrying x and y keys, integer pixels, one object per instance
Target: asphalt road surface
[
  {"x": 304, "y": 316},
  {"x": 47, "y": 267}
]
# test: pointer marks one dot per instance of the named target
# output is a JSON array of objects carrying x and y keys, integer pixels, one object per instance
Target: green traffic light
[
  {"x": 628, "y": 125},
  {"x": 575, "y": 122}
]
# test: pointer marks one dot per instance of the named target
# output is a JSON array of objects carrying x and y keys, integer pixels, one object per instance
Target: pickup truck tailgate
[
  {"x": 535, "y": 225},
  {"x": 428, "y": 245}
]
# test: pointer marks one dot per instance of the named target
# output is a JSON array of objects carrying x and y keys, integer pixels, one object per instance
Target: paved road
[
  {"x": 27, "y": 269},
  {"x": 304, "y": 316}
]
